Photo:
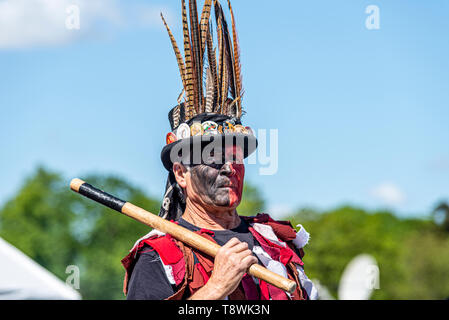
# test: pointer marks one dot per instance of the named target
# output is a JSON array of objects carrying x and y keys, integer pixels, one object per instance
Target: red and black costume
[{"x": 160, "y": 267}]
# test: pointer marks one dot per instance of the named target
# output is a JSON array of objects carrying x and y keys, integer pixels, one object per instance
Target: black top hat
[{"x": 214, "y": 130}]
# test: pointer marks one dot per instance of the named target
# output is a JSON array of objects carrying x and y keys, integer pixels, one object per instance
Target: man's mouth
[{"x": 229, "y": 185}]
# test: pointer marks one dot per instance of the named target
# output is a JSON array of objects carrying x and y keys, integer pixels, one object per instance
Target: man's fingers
[
  {"x": 248, "y": 261},
  {"x": 235, "y": 245},
  {"x": 246, "y": 258},
  {"x": 242, "y": 246},
  {"x": 234, "y": 241}
]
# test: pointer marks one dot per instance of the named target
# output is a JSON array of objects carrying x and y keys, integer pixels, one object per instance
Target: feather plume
[
  {"x": 204, "y": 25},
  {"x": 189, "y": 77},
  {"x": 220, "y": 54},
  {"x": 176, "y": 115},
  {"x": 180, "y": 96},
  {"x": 237, "y": 64},
  {"x": 217, "y": 73},
  {"x": 222, "y": 70},
  {"x": 232, "y": 107},
  {"x": 229, "y": 55},
  {"x": 196, "y": 55},
  {"x": 224, "y": 86},
  {"x": 226, "y": 58},
  {"x": 211, "y": 57},
  {"x": 179, "y": 57},
  {"x": 210, "y": 88}
]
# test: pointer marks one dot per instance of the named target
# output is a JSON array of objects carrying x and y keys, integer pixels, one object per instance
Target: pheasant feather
[
  {"x": 211, "y": 57},
  {"x": 204, "y": 25},
  {"x": 190, "y": 90},
  {"x": 224, "y": 85},
  {"x": 196, "y": 55},
  {"x": 210, "y": 89},
  {"x": 217, "y": 73},
  {"x": 237, "y": 65},
  {"x": 229, "y": 61},
  {"x": 179, "y": 58},
  {"x": 221, "y": 60}
]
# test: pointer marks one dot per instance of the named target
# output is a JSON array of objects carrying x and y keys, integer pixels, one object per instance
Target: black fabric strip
[{"x": 101, "y": 197}]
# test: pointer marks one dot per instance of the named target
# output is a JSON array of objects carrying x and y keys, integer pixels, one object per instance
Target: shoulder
[
  {"x": 158, "y": 245},
  {"x": 161, "y": 252},
  {"x": 153, "y": 247},
  {"x": 147, "y": 253}
]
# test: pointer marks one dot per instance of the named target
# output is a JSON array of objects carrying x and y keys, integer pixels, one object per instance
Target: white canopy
[
  {"x": 23, "y": 279},
  {"x": 359, "y": 279}
]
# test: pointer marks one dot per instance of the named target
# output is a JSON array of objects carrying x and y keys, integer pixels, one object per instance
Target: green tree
[
  {"x": 57, "y": 227},
  {"x": 337, "y": 236},
  {"x": 105, "y": 236},
  {"x": 37, "y": 221},
  {"x": 441, "y": 215},
  {"x": 426, "y": 255}
]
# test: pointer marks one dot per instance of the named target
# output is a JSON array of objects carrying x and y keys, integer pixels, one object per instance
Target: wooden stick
[{"x": 182, "y": 234}]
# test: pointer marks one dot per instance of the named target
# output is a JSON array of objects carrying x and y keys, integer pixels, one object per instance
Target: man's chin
[
  {"x": 227, "y": 197},
  {"x": 228, "y": 204}
]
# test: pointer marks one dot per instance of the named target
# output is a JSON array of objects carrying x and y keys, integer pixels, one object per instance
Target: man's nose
[{"x": 227, "y": 169}]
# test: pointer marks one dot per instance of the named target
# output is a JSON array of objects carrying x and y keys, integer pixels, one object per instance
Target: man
[{"x": 204, "y": 157}]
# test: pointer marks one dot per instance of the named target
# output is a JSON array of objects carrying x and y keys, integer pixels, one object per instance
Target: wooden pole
[{"x": 182, "y": 234}]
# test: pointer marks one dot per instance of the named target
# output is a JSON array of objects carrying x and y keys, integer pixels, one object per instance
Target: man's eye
[{"x": 213, "y": 160}]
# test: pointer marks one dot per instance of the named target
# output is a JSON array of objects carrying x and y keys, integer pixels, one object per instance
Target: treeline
[
  {"x": 58, "y": 228},
  {"x": 412, "y": 254}
]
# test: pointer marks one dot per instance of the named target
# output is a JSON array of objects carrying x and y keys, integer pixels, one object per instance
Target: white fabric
[
  {"x": 267, "y": 232},
  {"x": 270, "y": 264},
  {"x": 302, "y": 237},
  {"x": 307, "y": 284},
  {"x": 169, "y": 272}
]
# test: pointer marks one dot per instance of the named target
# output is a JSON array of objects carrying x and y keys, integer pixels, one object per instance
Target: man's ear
[{"x": 180, "y": 173}]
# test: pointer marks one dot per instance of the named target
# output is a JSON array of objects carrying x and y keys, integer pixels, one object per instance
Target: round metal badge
[
  {"x": 183, "y": 131},
  {"x": 170, "y": 138},
  {"x": 196, "y": 129},
  {"x": 210, "y": 127},
  {"x": 228, "y": 127},
  {"x": 240, "y": 129}
]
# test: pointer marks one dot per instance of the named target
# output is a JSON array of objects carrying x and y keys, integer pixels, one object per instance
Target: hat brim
[{"x": 173, "y": 151}]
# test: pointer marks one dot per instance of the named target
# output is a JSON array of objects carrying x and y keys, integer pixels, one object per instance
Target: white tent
[
  {"x": 23, "y": 279},
  {"x": 359, "y": 279}
]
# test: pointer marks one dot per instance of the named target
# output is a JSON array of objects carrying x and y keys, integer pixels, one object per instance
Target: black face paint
[{"x": 218, "y": 184}]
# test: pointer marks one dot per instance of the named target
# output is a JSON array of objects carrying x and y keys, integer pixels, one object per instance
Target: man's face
[{"x": 220, "y": 182}]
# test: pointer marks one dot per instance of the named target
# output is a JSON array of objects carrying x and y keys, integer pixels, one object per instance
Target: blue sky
[{"x": 362, "y": 115}]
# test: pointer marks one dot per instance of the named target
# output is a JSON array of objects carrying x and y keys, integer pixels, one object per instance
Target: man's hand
[{"x": 231, "y": 263}]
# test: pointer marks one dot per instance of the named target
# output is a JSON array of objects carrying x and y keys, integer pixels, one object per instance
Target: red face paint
[
  {"x": 235, "y": 192},
  {"x": 234, "y": 155}
]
